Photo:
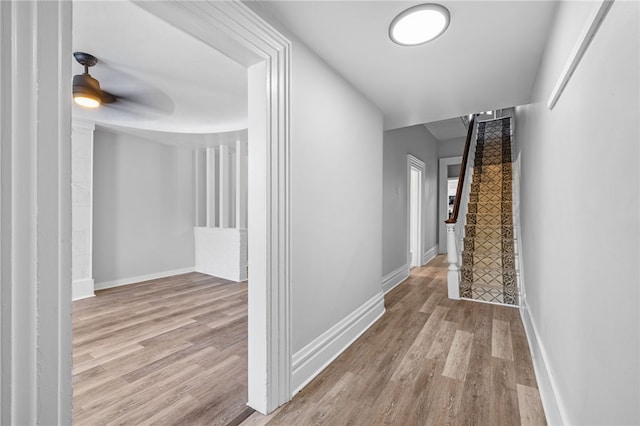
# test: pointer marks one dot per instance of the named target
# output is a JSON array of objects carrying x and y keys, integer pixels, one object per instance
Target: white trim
[
  {"x": 235, "y": 30},
  {"x": 82, "y": 289},
  {"x": 515, "y": 205},
  {"x": 443, "y": 179},
  {"x": 140, "y": 278},
  {"x": 393, "y": 278},
  {"x": 211, "y": 177},
  {"x": 35, "y": 213},
  {"x": 309, "y": 361},
  {"x": 551, "y": 402},
  {"x": 430, "y": 254},
  {"x": 582, "y": 44},
  {"x": 82, "y": 137}
]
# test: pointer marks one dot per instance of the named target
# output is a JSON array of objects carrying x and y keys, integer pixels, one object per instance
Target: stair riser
[
  {"x": 490, "y": 261},
  {"x": 505, "y": 219},
  {"x": 488, "y": 208},
  {"x": 486, "y": 245},
  {"x": 489, "y": 232}
]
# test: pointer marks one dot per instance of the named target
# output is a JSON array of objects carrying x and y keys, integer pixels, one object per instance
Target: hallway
[{"x": 428, "y": 361}]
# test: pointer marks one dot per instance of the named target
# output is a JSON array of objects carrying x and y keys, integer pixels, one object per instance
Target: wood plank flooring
[
  {"x": 428, "y": 361},
  {"x": 173, "y": 351},
  {"x": 167, "y": 351}
]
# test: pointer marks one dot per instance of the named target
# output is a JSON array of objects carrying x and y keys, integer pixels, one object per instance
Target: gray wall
[
  {"x": 451, "y": 147},
  {"x": 143, "y": 214},
  {"x": 580, "y": 218},
  {"x": 419, "y": 142},
  {"x": 336, "y": 194}
]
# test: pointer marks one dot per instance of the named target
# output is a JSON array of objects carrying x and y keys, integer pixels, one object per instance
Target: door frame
[
  {"x": 235, "y": 30},
  {"x": 415, "y": 163}
]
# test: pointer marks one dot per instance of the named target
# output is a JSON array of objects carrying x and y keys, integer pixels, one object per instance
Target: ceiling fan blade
[{"x": 108, "y": 98}]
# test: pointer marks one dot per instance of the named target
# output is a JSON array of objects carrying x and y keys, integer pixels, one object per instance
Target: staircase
[{"x": 488, "y": 271}]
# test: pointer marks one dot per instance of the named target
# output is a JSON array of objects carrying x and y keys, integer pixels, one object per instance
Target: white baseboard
[
  {"x": 394, "y": 278},
  {"x": 430, "y": 254},
  {"x": 551, "y": 401},
  {"x": 314, "y": 357},
  {"x": 131, "y": 280},
  {"x": 81, "y": 289}
]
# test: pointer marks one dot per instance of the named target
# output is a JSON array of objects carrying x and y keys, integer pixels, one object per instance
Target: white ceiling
[
  {"x": 487, "y": 58},
  {"x": 452, "y": 128},
  {"x": 169, "y": 80}
]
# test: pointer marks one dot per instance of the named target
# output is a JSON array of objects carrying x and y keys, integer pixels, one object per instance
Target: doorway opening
[
  {"x": 415, "y": 198},
  {"x": 237, "y": 32}
]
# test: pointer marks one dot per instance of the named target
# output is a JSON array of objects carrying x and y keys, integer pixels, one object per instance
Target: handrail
[{"x": 463, "y": 171}]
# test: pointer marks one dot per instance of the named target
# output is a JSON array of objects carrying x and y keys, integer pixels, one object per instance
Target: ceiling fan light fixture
[
  {"x": 87, "y": 102},
  {"x": 419, "y": 24},
  {"x": 86, "y": 89}
]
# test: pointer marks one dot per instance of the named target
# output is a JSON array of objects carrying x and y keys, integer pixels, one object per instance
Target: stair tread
[
  {"x": 493, "y": 240},
  {"x": 487, "y": 270},
  {"x": 489, "y": 202},
  {"x": 489, "y": 226},
  {"x": 477, "y": 254}
]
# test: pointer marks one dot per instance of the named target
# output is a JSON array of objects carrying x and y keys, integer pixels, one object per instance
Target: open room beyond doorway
[
  {"x": 158, "y": 201},
  {"x": 265, "y": 54}
]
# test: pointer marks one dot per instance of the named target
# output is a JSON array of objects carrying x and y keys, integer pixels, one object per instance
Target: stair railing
[{"x": 455, "y": 227}]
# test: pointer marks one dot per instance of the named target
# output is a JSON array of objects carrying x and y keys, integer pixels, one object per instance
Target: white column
[
  {"x": 453, "y": 274},
  {"x": 224, "y": 186},
  {"x": 241, "y": 185},
  {"x": 211, "y": 177},
  {"x": 82, "y": 209},
  {"x": 200, "y": 187}
]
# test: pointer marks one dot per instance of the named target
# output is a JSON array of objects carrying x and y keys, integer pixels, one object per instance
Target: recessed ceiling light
[{"x": 419, "y": 24}]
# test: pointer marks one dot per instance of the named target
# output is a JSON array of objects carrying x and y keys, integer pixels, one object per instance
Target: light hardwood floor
[
  {"x": 428, "y": 361},
  {"x": 173, "y": 351},
  {"x": 167, "y": 351}
]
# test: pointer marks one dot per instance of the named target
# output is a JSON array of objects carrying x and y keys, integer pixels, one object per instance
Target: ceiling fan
[
  {"x": 137, "y": 99},
  {"x": 86, "y": 89}
]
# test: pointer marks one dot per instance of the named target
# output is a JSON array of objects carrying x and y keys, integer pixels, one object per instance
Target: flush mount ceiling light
[{"x": 419, "y": 24}]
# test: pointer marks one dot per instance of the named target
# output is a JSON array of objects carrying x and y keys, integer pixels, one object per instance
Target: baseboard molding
[
  {"x": 131, "y": 280},
  {"x": 308, "y": 362},
  {"x": 430, "y": 254},
  {"x": 81, "y": 289},
  {"x": 394, "y": 278},
  {"x": 551, "y": 401}
]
